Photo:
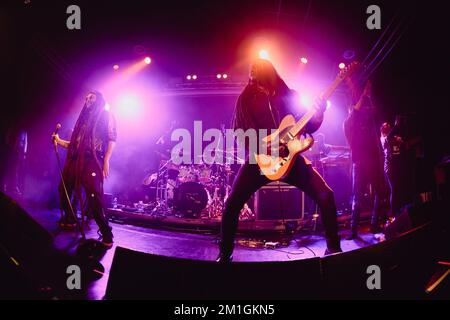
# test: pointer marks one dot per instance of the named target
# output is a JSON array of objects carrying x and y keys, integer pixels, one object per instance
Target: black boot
[
  {"x": 107, "y": 237},
  {"x": 224, "y": 258},
  {"x": 333, "y": 245},
  {"x": 225, "y": 254}
]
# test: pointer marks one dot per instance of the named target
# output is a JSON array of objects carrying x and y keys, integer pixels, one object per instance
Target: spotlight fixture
[
  {"x": 116, "y": 67},
  {"x": 304, "y": 60},
  {"x": 194, "y": 77},
  {"x": 341, "y": 65},
  {"x": 147, "y": 60},
  {"x": 219, "y": 76},
  {"x": 224, "y": 76},
  {"x": 263, "y": 54},
  {"x": 188, "y": 77}
]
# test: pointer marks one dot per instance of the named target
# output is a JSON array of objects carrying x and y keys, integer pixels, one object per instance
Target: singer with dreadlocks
[
  {"x": 87, "y": 163},
  {"x": 263, "y": 103}
]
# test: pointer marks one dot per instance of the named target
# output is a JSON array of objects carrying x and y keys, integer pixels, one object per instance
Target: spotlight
[
  {"x": 341, "y": 65},
  {"x": 263, "y": 54},
  {"x": 116, "y": 67},
  {"x": 147, "y": 60},
  {"x": 188, "y": 77},
  {"x": 306, "y": 100},
  {"x": 219, "y": 76},
  {"x": 224, "y": 76},
  {"x": 194, "y": 77},
  {"x": 304, "y": 60}
]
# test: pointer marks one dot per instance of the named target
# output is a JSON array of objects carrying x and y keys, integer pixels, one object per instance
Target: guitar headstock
[{"x": 348, "y": 70}]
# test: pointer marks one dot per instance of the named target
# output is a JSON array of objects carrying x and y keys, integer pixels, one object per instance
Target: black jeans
[
  {"x": 363, "y": 175},
  {"x": 302, "y": 175},
  {"x": 91, "y": 180},
  {"x": 401, "y": 179}
]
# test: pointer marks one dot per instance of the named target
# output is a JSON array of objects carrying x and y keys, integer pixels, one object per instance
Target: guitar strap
[{"x": 273, "y": 117}]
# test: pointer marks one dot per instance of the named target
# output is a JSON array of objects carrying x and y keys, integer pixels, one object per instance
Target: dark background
[{"x": 44, "y": 65}]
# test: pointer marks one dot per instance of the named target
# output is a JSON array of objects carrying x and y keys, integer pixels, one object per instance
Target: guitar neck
[{"x": 295, "y": 130}]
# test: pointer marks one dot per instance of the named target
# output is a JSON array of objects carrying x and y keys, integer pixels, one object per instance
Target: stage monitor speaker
[
  {"x": 24, "y": 246},
  {"x": 277, "y": 201},
  {"x": 401, "y": 265},
  {"x": 138, "y": 275},
  {"x": 29, "y": 262}
]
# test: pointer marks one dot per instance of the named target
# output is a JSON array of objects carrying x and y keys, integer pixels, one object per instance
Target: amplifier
[{"x": 277, "y": 201}]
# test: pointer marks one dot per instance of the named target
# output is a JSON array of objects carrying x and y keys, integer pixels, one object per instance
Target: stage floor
[{"x": 199, "y": 246}]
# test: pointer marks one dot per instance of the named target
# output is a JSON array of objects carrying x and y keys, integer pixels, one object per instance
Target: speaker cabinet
[{"x": 277, "y": 201}]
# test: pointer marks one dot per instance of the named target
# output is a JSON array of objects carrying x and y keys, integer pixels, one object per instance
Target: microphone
[{"x": 58, "y": 126}]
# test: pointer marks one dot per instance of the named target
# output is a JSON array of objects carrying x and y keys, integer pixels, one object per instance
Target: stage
[{"x": 192, "y": 245}]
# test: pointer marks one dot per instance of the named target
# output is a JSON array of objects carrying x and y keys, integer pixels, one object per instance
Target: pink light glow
[
  {"x": 147, "y": 60},
  {"x": 306, "y": 100},
  {"x": 304, "y": 60},
  {"x": 128, "y": 105},
  {"x": 341, "y": 65}
]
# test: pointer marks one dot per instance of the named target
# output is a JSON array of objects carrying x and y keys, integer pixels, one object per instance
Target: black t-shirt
[{"x": 362, "y": 136}]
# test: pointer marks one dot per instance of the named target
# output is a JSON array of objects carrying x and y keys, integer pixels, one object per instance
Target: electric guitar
[{"x": 291, "y": 138}]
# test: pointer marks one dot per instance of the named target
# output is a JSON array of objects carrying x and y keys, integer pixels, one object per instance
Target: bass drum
[{"x": 190, "y": 198}]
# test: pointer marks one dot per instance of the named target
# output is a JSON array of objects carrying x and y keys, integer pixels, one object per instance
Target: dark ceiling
[{"x": 42, "y": 57}]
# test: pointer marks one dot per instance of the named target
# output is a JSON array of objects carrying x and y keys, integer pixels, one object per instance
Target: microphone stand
[{"x": 58, "y": 160}]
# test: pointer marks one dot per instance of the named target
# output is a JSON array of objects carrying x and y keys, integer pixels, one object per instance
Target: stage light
[
  {"x": 263, "y": 54},
  {"x": 219, "y": 76},
  {"x": 116, "y": 67},
  {"x": 107, "y": 107},
  {"x": 341, "y": 65},
  {"x": 194, "y": 77},
  {"x": 188, "y": 77},
  {"x": 304, "y": 60},
  {"x": 306, "y": 101},
  {"x": 147, "y": 60},
  {"x": 224, "y": 76}
]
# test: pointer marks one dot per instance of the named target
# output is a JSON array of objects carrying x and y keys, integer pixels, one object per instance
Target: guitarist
[{"x": 262, "y": 104}]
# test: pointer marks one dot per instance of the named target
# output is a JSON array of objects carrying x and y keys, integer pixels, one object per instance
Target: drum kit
[{"x": 193, "y": 190}]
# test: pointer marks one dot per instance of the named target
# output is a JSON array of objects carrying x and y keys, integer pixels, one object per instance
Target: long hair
[
  {"x": 263, "y": 78},
  {"x": 82, "y": 135},
  {"x": 82, "y": 140}
]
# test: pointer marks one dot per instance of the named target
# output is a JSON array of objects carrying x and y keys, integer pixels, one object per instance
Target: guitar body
[
  {"x": 277, "y": 167},
  {"x": 293, "y": 142}
]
